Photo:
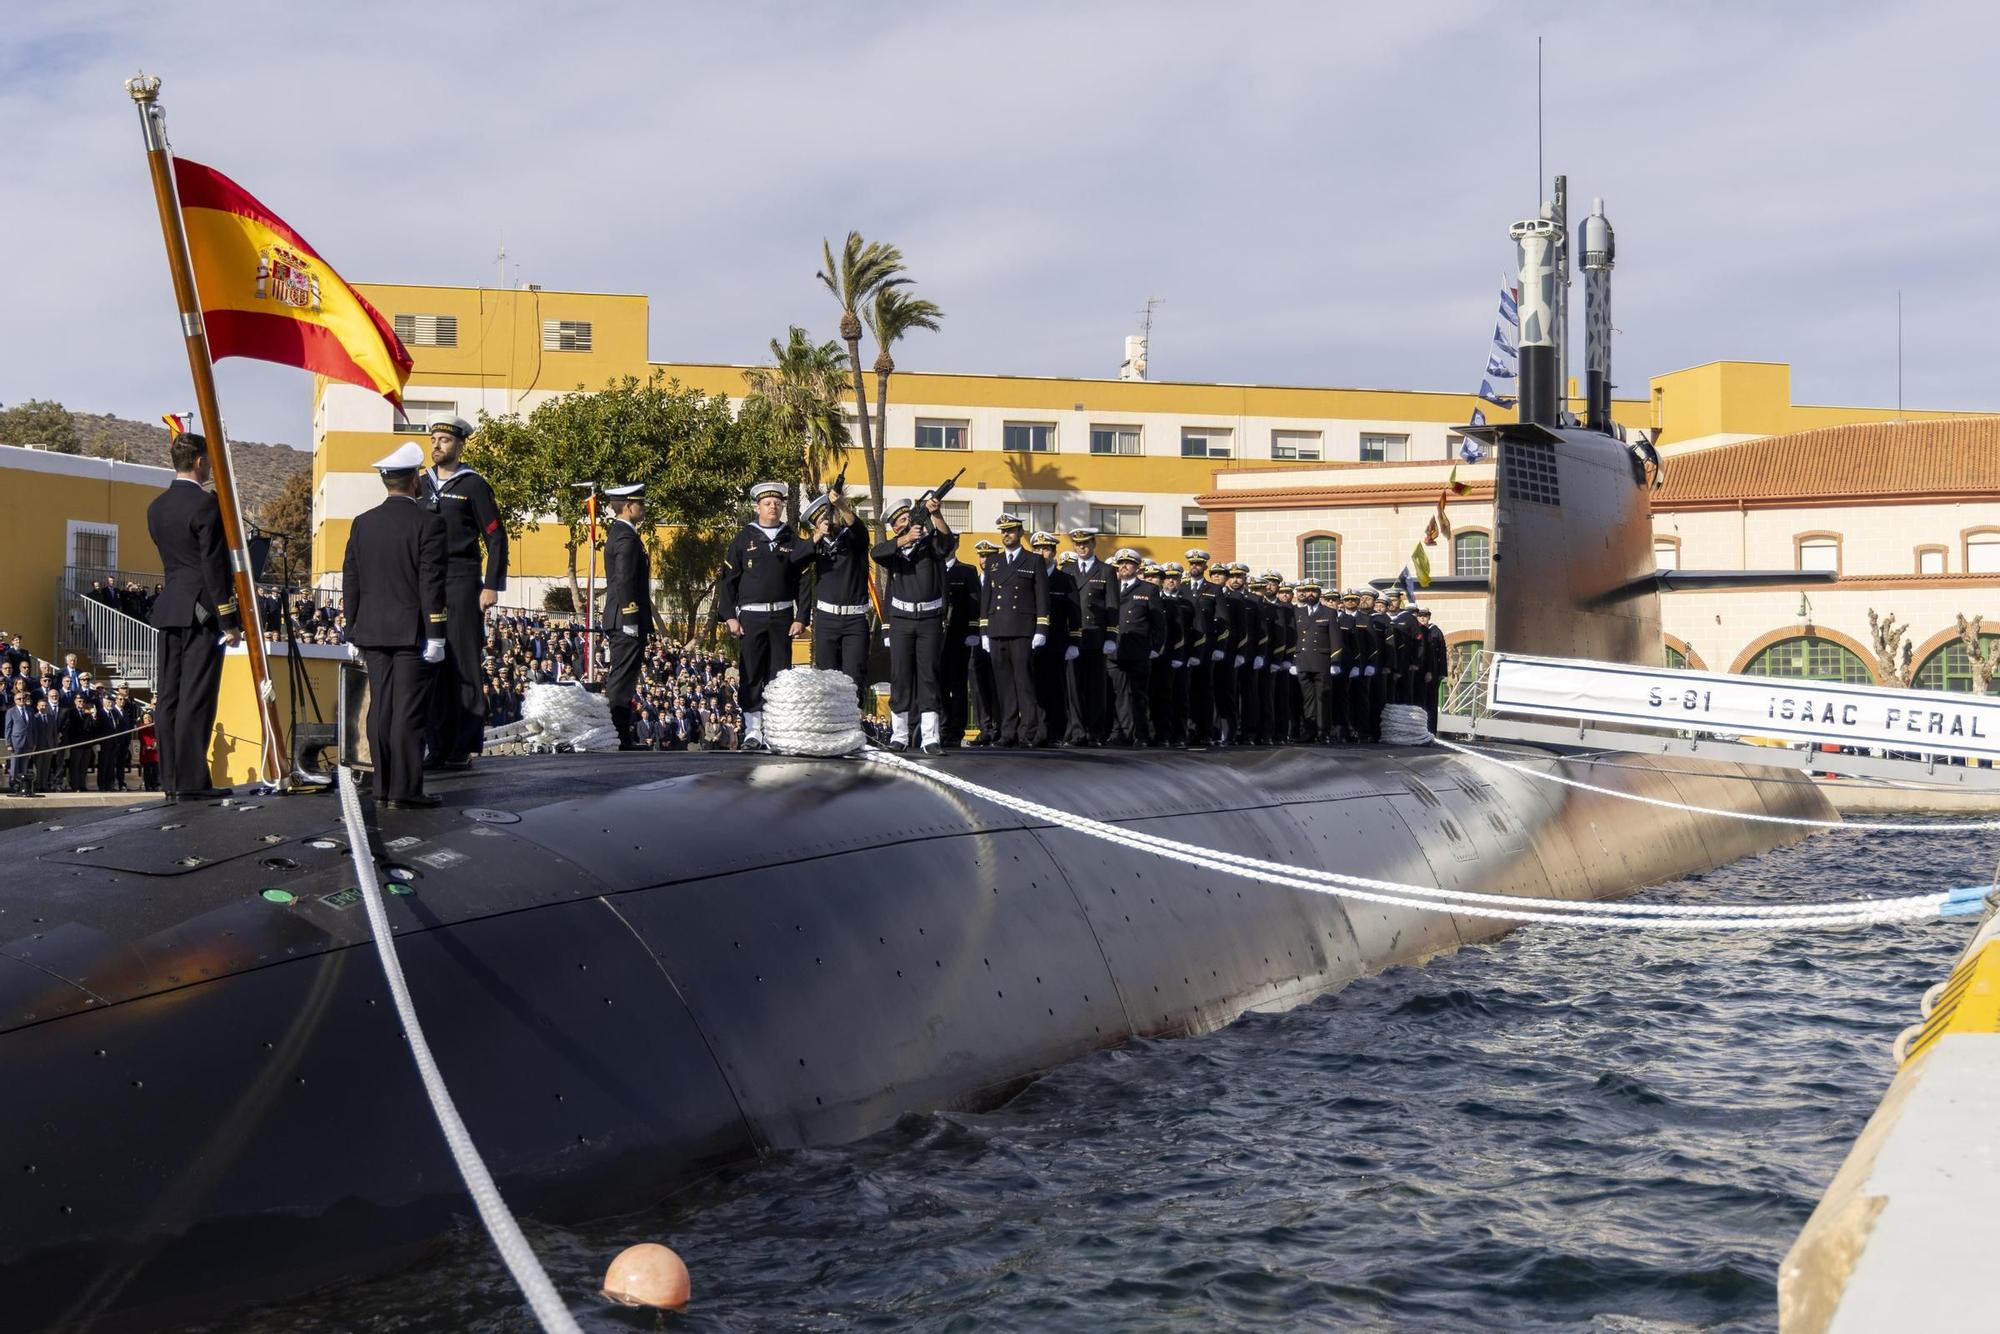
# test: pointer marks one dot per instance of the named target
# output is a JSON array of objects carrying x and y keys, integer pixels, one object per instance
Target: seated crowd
[{"x": 686, "y": 699}]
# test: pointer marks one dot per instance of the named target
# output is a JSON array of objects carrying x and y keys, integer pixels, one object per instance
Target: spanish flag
[{"x": 267, "y": 295}]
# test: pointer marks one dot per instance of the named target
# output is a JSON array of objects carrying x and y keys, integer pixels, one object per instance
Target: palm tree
[
  {"x": 864, "y": 267},
  {"x": 802, "y": 388},
  {"x": 894, "y": 313}
]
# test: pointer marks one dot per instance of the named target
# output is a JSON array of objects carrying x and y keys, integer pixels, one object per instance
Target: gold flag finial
[{"x": 144, "y": 87}]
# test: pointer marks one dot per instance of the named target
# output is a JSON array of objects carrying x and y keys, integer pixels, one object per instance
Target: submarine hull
[{"x": 635, "y": 968}]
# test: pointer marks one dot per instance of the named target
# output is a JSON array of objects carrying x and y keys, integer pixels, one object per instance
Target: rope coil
[{"x": 811, "y": 711}]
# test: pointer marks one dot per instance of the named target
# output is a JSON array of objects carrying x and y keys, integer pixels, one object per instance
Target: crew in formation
[{"x": 1026, "y": 647}]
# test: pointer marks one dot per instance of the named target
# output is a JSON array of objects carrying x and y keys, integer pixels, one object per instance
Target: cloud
[{"x": 1320, "y": 192}]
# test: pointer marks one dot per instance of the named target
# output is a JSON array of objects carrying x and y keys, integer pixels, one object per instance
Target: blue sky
[{"x": 1320, "y": 192}]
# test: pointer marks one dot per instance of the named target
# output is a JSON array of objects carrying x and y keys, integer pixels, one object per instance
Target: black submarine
[{"x": 634, "y": 968}]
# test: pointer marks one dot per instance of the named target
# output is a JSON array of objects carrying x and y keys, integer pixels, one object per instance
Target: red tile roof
[{"x": 1883, "y": 459}]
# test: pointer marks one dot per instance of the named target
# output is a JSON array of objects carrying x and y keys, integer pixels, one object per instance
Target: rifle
[
  {"x": 921, "y": 516},
  {"x": 820, "y": 502}
]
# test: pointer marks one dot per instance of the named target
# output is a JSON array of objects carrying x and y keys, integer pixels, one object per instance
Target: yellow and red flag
[{"x": 267, "y": 295}]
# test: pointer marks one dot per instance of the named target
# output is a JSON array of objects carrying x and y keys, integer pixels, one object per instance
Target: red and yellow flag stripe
[{"x": 267, "y": 295}]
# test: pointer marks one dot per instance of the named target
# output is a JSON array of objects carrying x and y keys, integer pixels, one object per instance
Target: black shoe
[
  {"x": 933, "y": 748},
  {"x": 899, "y": 746},
  {"x": 422, "y": 802},
  {"x": 755, "y": 745},
  {"x": 981, "y": 741},
  {"x": 205, "y": 794}
]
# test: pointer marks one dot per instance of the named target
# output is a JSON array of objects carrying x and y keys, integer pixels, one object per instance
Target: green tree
[
  {"x": 893, "y": 313},
  {"x": 39, "y": 421},
  {"x": 802, "y": 389},
  {"x": 863, "y": 268},
  {"x": 289, "y": 514}
]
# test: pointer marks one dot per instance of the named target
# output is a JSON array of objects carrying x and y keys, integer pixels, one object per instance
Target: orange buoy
[{"x": 648, "y": 1274}]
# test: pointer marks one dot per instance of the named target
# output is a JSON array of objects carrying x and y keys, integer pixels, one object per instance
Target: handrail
[{"x": 116, "y": 645}]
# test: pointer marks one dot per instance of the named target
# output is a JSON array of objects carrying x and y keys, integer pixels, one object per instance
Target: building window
[
  {"x": 1194, "y": 522},
  {"x": 1038, "y": 515},
  {"x": 1205, "y": 444},
  {"x": 1675, "y": 658},
  {"x": 565, "y": 335},
  {"x": 427, "y": 330},
  {"x": 1810, "y": 660},
  {"x": 1114, "y": 440},
  {"x": 1818, "y": 551},
  {"x": 1118, "y": 520},
  {"x": 1028, "y": 437},
  {"x": 1930, "y": 560},
  {"x": 1300, "y": 445},
  {"x": 92, "y": 546},
  {"x": 940, "y": 434},
  {"x": 1319, "y": 559},
  {"x": 1982, "y": 552},
  {"x": 958, "y": 513},
  {"x": 1950, "y": 669},
  {"x": 419, "y": 413},
  {"x": 1471, "y": 554},
  {"x": 1667, "y": 553},
  {"x": 1384, "y": 448}
]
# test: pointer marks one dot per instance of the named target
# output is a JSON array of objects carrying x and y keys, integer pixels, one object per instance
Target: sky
[{"x": 1320, "y": 192}]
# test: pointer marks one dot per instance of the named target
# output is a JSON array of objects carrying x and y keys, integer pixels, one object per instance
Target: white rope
[
  {"x": 500, "y": 1225},
  {"x": 1405, "y": 725},
  {"x": 566, "y": 715},
  {"x": 812, "y": 711},
  {"x": 1521, "y": 908},
  {"x": 1869, "y": 826}
]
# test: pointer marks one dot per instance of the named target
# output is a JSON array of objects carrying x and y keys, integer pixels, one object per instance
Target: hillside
[{"x": 261, "y": 469}]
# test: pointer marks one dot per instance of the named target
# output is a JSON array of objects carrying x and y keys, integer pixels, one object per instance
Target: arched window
[
  {"x": 1950, "y": 669},
  {"x": 1320, "y": 557},
  {"x": 1810, "y": 660},
  {"x": 1676, "y": 658},
  {"x": 1471, "y": 553}
]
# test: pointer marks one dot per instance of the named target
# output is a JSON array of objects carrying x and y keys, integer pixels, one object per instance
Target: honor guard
[
  {"x": 961, "y": 642},
  {"x": 758, "y": 599},
  {"x": 1320, "y": 644},
  {"x": 839, "y": 614},
  {"x": 1277, "y": 660},
  {"x": 1177, "y": 655},
  {"x": 1137, "y": 628},
  {"x": 1409, "y": 650},
  {"x": 913, "y": 554},
  {"x": 1249, "y": 658},
  {"x": 472, "y": 584},
  {"x": 392, "y": 590},
  {"x": 985, "y": 694},
  {"x": 1086, "y": 686},
  {"x": 1437, "y": 665},
  {"x": 628, "y": 606},
  {"x": 1013, "y": 623},
  {"x": 1203, "y": 652},
  {"x": 1052, "y": 661},
  {"x": 1230, "y": 615},
  {"x": 194, "y": 613}
]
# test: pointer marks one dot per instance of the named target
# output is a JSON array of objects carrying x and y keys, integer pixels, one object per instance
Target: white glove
[
  {"x": 1368, "y": 671},
  {"x": 1354, "y": 671},
  {"x": 1216, "y": 656},
  {"x": 1110, "y": 645},
  {"x": 1039, "y": 640},
  {"x": 1072, "y": 653},
  {"x": 885, "y": 639},
  {"x": 1293, "y": 668},
  {"x": 1174, "y": 663},
  {"x": 632, "y": 630},
  {"x": 986, "y": 642},
  {"x": 1154, "y": 654},
  {"x": 354, "y": 653},
  {"x": 1258, "y": 665},
  {"x": 972, "y": 641},
  {"x": 433, "y": 651},
  {"x": 1238, "y": 662}
]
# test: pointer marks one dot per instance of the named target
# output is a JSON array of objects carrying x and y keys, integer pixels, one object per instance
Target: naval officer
[
  {"x": 1130, "y": 645},
  {"x": 392, "y": 590},
  {"x": 194, "y": 613},
  {"x": 1013, "y": 623},
  {"x": 758, "y": 599},
  {"x": 628, "y": 605},
  {"x": 1053, "y": 661},
  {"x": 1087, "y": 687},
  {"x": 472, "y": 583}
]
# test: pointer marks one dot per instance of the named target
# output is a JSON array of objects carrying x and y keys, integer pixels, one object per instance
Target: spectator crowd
[{"x": 66, "y": 732}]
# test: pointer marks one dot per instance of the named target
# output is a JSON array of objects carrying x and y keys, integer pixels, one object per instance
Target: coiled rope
[
  {"x": 493, "y": 1212},
  {"x": 812, "y": 711},
  {"x": 1869, "y": 826}
]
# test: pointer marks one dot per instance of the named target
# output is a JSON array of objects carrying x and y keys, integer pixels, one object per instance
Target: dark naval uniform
[
  {"x": 1050, "y": 661},
  {"x": 1015, "y": 608},
  {"x": 1139, "y": 627},
  {"x": 1250, "y": 671},
  {"x": 393, "y": 592},
  {"x": 1387, "y": 665},
  {"x": 840, "y": 603},
  {"x": 760, "y": 589},
  {"x": 916, "y": 620},
  {"x": 628, "y": 614},
  {"x": 194, "y": 608},
  {"x": 1318, "y": 659},
  {"x": 1410, "y": 657},
  {"x": 961, "y": 624},
  {"x": 1171, "y": 668},
  {"x": 457, "y": 723},
  {"x": 1203, "y": 652},
  {"x": 1437, "y": 669},
  {"x": 1228, "y": 636},
  {"x": 1089, "y": 716}
]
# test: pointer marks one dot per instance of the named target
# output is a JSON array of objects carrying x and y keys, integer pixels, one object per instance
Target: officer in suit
[
  {"x": 913, "y": 554},
  {"x": 195, "y": 614},
  {"x": 628, "y": 605},
  {"x": 23, "y": 733},
  {"x": 1053, "y": 661},
  {"x": 463, "y": 499},
  {"x": 758, "y": 599},
  {"x": 1086, "y": 687},
  {"x": 392, "y": 590},
  {"x": 961, "y": 642},
  {"x": 1013, "y": 623},
  {"x": 1137, "y": 629},
  {"x": 1318, "y": 658},
  {"x": 1436, "y": 665},
  {"x": 839, "y": 610},
  {"x": 985, "y": 694}
]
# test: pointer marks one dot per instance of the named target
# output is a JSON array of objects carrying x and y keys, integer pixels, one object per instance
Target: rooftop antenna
[
  {"x": 1899, "y": 354},
  {"x": 501, "y": 261},
  {"x": 1539, "y": 178},
  {"x": 1137, "y": 350}
]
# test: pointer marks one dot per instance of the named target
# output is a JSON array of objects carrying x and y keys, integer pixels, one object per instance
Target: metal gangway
[{"x": 119, "y": 648}]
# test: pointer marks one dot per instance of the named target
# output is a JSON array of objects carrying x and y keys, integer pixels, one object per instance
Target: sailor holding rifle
[{"x": 758, "y": 599}]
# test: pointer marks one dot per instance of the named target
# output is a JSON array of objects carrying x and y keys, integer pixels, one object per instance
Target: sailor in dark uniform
[
  {"x": 628, "y": 606},
  {"x": 1179, "y": 654},
  {"x": 1249, "y": 658},
  {"x": 1318, "y": 659},
  {"x": 1409, "y": 649},
  {"x": 1203, "y": 652},
  {"x": 1053, "y": 660},
  {"x": 913, "y": 553},
  {"x": 985, "y": 694},
  {"x": 1137, "y": 628},
  {"x": 1279, "y": 715},
  {"x": 758, "y": 599},
  {"x": 1361, "y": 655},
  {"x": 194, "y": 613},
  {"x": 1436, "y": 665},
  {"x": 462, "y": 498},
  {"x": 1013, "y": 623},
  {"x": 1228, "y": 631},
  {"x": 393, "y": 593},
  {"x": 961, "y": 642},
  {"x": 1383, "y": 668},
  {"x": 839, "y": 613},
  {"x": 1086, "y": 687}
]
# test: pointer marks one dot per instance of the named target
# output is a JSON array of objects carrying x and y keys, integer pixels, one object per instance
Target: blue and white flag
[
  {"x": 1409, "y": 581},
  {"x": 1469, "y": 448},
  {"x": 1510, "y": 308},
  {"x": 1503, "y": 362},
  {"x": 1494, "y": 396}
]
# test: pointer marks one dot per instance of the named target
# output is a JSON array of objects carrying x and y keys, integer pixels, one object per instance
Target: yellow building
[
  {"x": 1128, "y": 456},
  {"x": 64, "y": 513}
]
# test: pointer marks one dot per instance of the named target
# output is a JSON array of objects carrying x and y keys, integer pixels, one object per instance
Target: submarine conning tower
[{"x": 1573, "y": 560}]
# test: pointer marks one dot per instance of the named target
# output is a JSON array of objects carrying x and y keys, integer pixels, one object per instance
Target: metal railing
[
  {"x": 117, "y": 646},
  {"x": 1465, "y": 696}
]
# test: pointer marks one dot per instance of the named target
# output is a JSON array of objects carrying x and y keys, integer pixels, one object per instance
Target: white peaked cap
[{"x": 405, "y": 458}]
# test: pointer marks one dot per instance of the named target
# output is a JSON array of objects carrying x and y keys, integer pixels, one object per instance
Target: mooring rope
[{"x": 493, "y": 1212}]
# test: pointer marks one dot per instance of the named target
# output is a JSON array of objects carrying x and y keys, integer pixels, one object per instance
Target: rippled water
[{"x": 1567, "y": 1128}]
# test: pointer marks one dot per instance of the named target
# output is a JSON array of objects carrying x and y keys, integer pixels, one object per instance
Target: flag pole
[{"x": 145, "y": 91}]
